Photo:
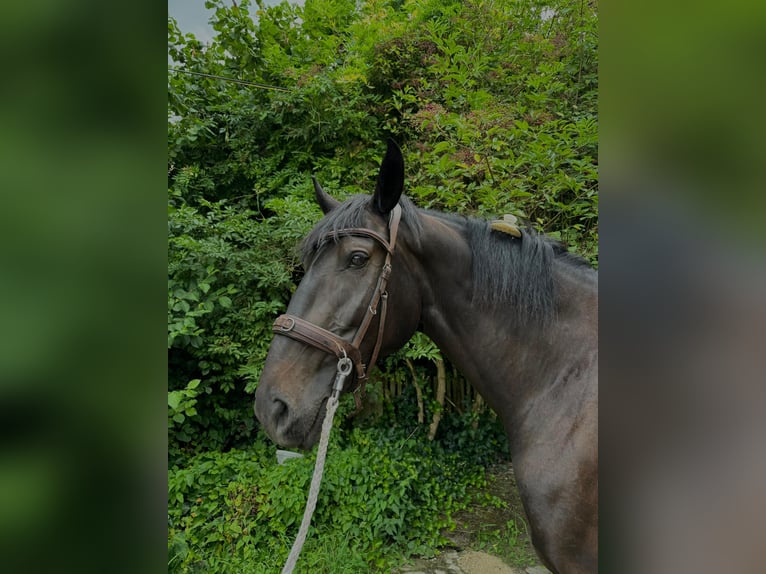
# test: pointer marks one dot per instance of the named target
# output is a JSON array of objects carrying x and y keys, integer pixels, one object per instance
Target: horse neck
[{"x": 505, "y": 362}]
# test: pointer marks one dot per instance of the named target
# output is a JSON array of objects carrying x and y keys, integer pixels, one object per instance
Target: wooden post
[{"x": 441, "y": 384}]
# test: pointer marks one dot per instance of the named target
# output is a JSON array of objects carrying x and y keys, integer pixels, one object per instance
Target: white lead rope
[{"x": 344, "y": 368}]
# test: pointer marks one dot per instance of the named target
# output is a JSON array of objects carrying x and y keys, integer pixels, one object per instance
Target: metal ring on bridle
[
  {"x": 290, "y": 327},
  {"x": 344, "y": 366}
]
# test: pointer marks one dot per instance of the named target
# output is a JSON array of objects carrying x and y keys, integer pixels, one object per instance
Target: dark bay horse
[{"x": 515, "y": 313}]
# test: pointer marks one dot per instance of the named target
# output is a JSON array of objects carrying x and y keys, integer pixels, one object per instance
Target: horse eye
[{"x": 358, "y": 259}]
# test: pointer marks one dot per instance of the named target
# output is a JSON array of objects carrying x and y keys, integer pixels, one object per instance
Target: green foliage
[
  {"x": 511, "y": 542},
  {"x": 181, "y": 404},
  {"x": 230, "y": 271},
  {"x": 239, "y": 511},
  {"x": 495, "y": 103},
  {"x": 501, "y": 104},
  {"x": 421, "y": 347}
]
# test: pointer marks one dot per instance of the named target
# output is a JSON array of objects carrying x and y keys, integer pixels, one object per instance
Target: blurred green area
[
  {"x": 681, "y": 104},
  {"x": 82, "y": 363}
]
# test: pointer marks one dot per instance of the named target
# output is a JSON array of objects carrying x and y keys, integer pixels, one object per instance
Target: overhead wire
[{"x": 234, "y": 80}]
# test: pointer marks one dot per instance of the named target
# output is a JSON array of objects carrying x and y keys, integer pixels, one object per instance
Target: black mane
[
  {"x": 513, "y": 271},
  {"x": 507, "y": 271}
]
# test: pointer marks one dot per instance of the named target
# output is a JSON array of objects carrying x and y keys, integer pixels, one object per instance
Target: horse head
[{"x": 355, "y": 301}]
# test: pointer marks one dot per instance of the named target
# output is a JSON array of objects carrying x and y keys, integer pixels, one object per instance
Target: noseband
[{"x": 327, "y": 341}]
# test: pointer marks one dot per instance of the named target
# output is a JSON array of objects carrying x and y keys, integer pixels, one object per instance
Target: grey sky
[{"x": 192, "y": 16}]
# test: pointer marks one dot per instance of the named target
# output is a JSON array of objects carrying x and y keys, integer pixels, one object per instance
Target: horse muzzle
[{"x": 289, "y": 408}]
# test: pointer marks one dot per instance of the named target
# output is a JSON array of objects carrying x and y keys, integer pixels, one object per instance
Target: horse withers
[{"x": 513, "y": 310}]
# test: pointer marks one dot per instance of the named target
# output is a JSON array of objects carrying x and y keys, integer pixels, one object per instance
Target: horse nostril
[{"x": 279, "y": 411}]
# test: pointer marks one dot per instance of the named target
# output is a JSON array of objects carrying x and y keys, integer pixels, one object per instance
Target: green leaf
[{"x": 174, "y": 398}]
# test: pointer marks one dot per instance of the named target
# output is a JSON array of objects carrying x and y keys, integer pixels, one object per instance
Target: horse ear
[
  {"x": 390, "y": 184},
  {"x": 325, "y": 201}
]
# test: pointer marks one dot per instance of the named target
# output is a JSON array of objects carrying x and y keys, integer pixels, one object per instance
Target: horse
[{"x": 513, "y": 310}]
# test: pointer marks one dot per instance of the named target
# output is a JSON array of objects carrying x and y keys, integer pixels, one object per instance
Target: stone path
[{"x": 467, "y": 562}]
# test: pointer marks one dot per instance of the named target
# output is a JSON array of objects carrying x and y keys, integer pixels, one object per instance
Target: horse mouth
[
  {"x": 300, "y": 433},
  {"x": 315, "y": 429}
]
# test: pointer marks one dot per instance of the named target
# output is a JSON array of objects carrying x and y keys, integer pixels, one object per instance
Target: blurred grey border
[{"x": 682, "y": 180}]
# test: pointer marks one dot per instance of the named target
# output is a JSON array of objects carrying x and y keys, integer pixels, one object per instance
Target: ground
[{"x": 487, "y": 539}]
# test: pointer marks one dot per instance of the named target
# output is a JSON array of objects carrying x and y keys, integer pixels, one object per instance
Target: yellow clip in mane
[{"x": 506, "y": 225}]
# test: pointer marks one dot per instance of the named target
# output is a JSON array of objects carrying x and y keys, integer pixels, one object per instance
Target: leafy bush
[
  {"x": 230, "y": 271},
  {"x": 240, "y": 511}
]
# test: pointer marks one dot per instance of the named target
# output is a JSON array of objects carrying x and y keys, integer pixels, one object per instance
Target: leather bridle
[{"x": 327, "y": 341}]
